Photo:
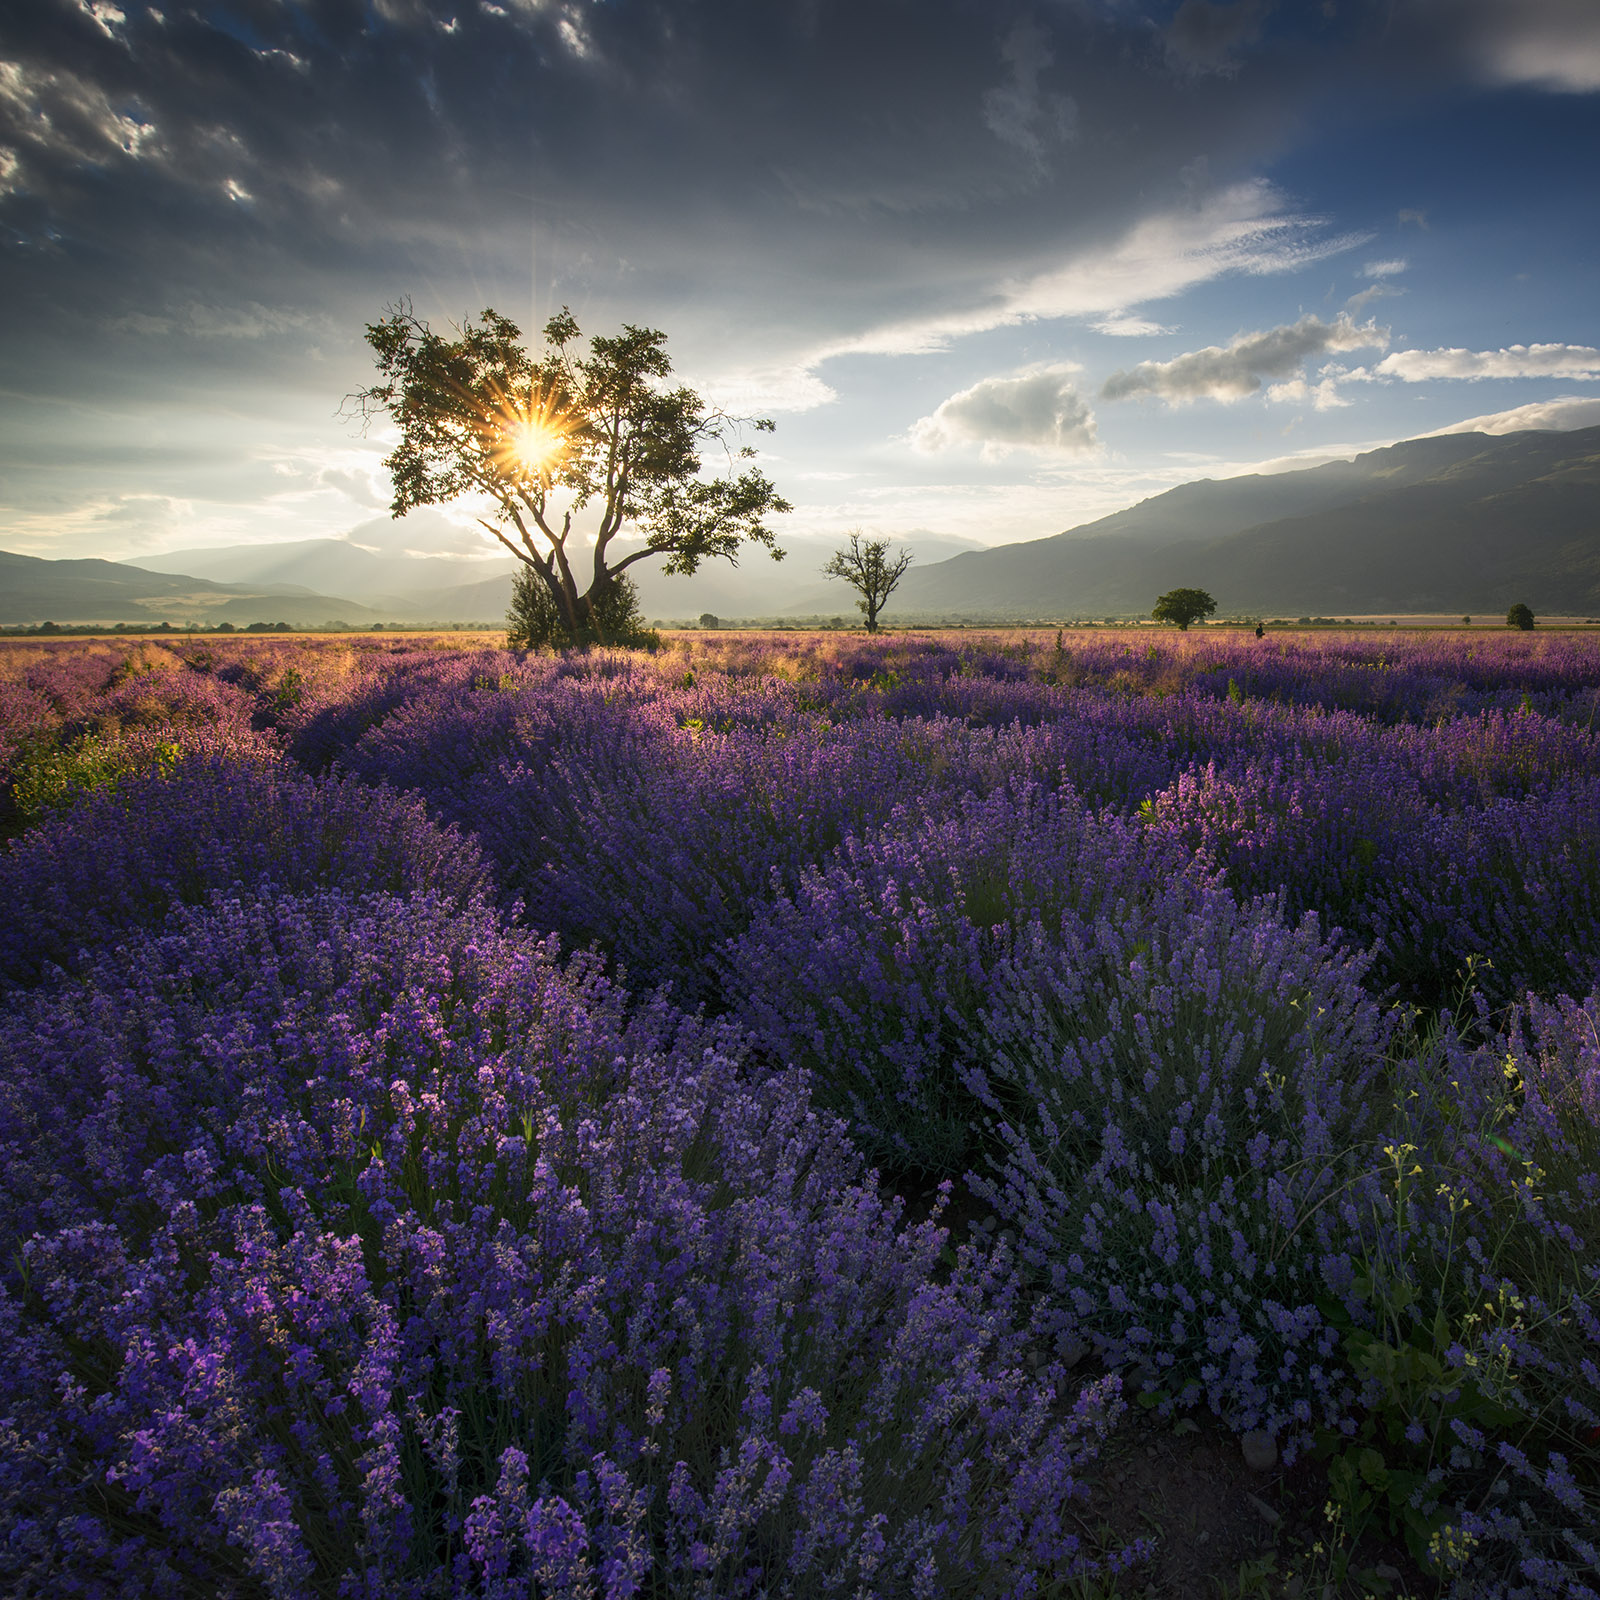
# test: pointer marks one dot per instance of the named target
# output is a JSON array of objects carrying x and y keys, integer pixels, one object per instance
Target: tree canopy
[
  {"x": 865, "y": 564},
  {"x": 1183, "y": 606},
  {"x": 1519, "y": 616},
  {"x": 549, "y": 437}
]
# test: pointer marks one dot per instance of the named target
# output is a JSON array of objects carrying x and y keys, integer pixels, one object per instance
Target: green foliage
[
  {"x": 1183, "y": 606},
  {"x": 50, "y": 774},
  {"x": 1463, "y": 1283},
  {"x": 534, "y": 621},
  {"x": 866, "y": 566},
  {"x": 479, "y": 415},
  {"x": 1519, "y": 616},
  {"x": 1386, "y": 1475}
]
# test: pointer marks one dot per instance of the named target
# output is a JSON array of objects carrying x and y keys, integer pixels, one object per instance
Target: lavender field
[{"x": 752, "y": 1119}]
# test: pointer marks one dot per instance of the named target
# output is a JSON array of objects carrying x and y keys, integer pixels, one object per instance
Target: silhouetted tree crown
[
  {"x": 1519, "y": 616},
  {"x": 552, "y": 436}
]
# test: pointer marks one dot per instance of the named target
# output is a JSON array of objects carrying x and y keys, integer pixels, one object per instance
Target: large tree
[
  {"x": 866, "y": 565},
  {"x": 547, "y": 437},
  {"x": 1183, "y": 606}
]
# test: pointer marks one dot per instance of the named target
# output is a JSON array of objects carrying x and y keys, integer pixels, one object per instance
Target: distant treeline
[{"x": 65, "y": 629}]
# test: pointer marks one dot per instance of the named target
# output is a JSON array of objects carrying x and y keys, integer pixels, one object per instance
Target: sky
[{"x": 993, "y": 268}]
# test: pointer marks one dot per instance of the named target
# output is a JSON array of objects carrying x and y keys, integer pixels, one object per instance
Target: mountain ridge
[
  {"x": 1469, "y": 522},
  {"x": 1457, "y": 522}
]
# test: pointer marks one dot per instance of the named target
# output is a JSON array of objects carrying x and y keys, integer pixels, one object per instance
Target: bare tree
[{"x": 865, "y": 564}]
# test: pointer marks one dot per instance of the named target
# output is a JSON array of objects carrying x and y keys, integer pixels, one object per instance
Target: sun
[
  {"x": 533, "y": 445},
  {"x": 528, "y": 442}
]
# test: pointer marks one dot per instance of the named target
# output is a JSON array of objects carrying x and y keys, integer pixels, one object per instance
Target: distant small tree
[
  {"x": 865, "y": 564},
  {"x": 709, "y": 619},
  {"x": 1519, "y": 616},
  {"x": 1183, "y": 606}
]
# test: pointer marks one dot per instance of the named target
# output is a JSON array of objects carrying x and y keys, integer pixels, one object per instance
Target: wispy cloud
[
  {"x": 1018, "y": 111},
  {"x": 1514, "y": 361},
  {"x": 1556, "y": 416},
  {"x": 1236, "y": 370},
  {"x": 1243, "y": 229},
  {"x": 1125, "y": 325}
]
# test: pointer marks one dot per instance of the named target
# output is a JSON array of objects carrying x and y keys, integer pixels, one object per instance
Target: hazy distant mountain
[
  {"x": 388, "y": 582},
  {"x": 33, "y": 589},
  {"x": 443, "y": 588},
  {"x": 1466, "y": 522}
]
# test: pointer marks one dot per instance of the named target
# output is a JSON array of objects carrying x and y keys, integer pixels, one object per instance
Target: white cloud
[
  {"x": 1234, "y": 371},
  {"x": 1323, "y": 395},
  {"x": 757, "y": 391},
  {"x": 105, "y": 17},
  {"x": 67, "y": 116},
  {"x": 1384, "y": 269},
  {"x": 1553, "y": 416},
  {"x": 1515, "y": 361},
  {"x": 1241, "y": 229},
  {"x": 1124, "y": 325},
  {"x": 1036, "y": 409}
]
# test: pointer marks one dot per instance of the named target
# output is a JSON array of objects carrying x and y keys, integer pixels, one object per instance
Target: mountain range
[
  {"x": 1461, "y": 522},
  {"x": 33, "y": 589}
]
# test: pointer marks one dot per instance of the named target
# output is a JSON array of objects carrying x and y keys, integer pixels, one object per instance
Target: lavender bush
[
  {"x": 357, "y": 1249},
  {"x": 123, "y": 857},
  {"x": 1168, "y": 1084}
]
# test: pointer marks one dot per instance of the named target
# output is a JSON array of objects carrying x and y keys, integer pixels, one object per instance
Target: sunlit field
[{"x": 777, "y": 1114}]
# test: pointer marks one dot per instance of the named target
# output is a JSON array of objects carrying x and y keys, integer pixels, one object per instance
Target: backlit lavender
[{"x": 453, "y": 1104}]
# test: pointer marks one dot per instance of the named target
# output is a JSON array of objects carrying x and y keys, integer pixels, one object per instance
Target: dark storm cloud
[
  {"x": 1208, "y": 37},
  {"x": 304, "y": 159}
]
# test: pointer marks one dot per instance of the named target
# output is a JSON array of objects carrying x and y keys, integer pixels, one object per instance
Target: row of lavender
[{"x": 461, "y": 1270}]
